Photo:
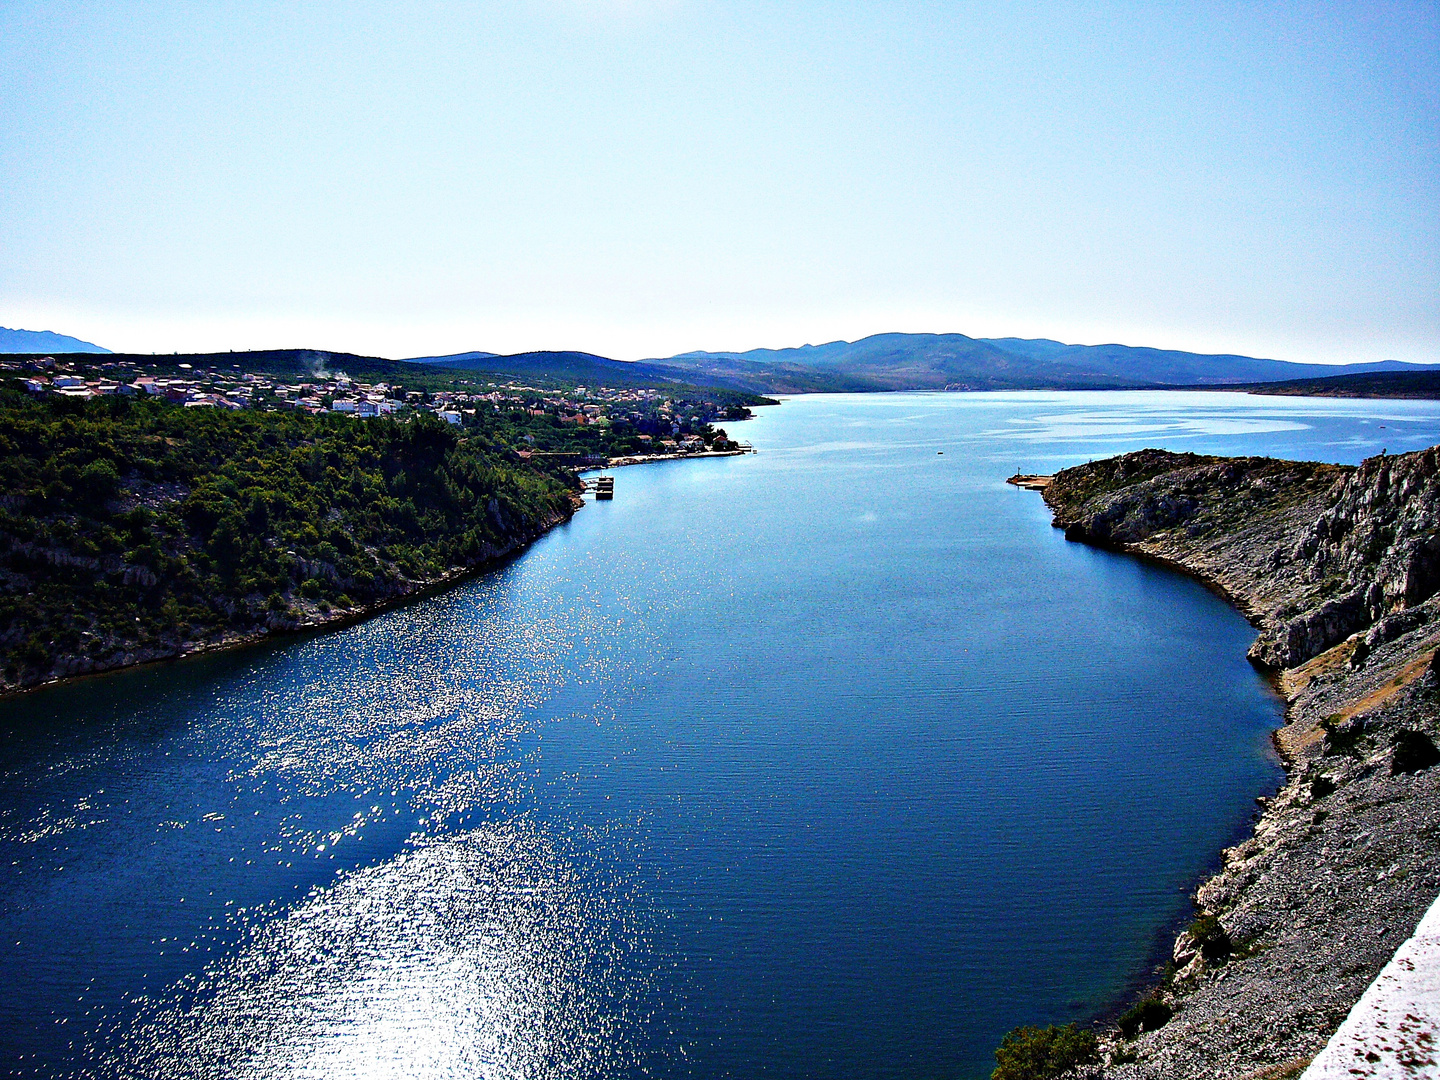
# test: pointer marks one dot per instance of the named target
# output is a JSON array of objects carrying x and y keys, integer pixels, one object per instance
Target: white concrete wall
[{"x": 1394, "y": 1029}]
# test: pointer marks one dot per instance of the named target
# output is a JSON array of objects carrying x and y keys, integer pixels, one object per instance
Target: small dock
[
  {"x": 1030, "y": 481},
  {"x": 602, "y": 486}
]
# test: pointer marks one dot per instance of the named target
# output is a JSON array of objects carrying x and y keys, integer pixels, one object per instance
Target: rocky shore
[
  {"x": 645, "y": 459},
  {"x": 1339, "y": 569}
]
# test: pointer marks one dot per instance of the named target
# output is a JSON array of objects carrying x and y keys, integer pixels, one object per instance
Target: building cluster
[
  {"x": 658, "y": 416},
  {"x": 208, "y": 387}
]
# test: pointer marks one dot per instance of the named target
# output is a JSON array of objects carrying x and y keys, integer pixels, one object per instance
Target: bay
[{"x": 832, "y": 761}]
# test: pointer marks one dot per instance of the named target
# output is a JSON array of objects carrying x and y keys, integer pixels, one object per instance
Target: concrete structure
[{"x": 1394, "y": 1029}]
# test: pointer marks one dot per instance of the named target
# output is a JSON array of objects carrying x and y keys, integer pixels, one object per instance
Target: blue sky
[{"x": 641, "y": 177}]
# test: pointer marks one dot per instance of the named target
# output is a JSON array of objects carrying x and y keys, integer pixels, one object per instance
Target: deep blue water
[{"x": 833, "y": 761}]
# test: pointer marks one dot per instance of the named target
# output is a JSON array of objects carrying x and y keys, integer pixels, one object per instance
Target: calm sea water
[{"x": 834, "y": 761}]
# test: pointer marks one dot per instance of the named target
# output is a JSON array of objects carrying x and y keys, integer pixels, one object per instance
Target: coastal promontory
[{"x": 1338, "y": 568}]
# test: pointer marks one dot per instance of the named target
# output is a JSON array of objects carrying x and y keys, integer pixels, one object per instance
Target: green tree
[{"x": 1035, "y": 1053}]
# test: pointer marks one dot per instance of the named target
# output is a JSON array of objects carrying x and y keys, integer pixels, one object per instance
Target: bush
[
  {"x": 1034, "y": 1053},
  {"x": 1342, "y": 736},
  {"x": 99, "y": 480},
  {"x": 1413, "y": 751},
  {"x": 1147, "y": 1015},
  {"x": 1211, "y": 938},
  {"x": 34, "y": 654}
]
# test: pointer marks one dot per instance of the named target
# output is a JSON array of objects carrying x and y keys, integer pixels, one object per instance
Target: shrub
[
  {"x": 34, "y": 654},
  {"x": 1035, "y": 1053},
  {"x": 1211, "y": 938},
  {"x": 99, "y": 480},
  {"x": 1147, "y": 1015},
  {"x": 1413, "y": 751},
  {"x": 1342, "y": 736}
]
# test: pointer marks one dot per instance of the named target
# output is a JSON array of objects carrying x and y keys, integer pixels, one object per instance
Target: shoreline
[
  {"x": 1336, "y": 868},
  {"x": 313, "y": 621},
  {"x": 646, "y": 459}
]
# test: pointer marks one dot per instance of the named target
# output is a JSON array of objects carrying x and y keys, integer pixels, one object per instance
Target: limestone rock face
[
  {"x": 1329, "y": 550},
  {"x": 1338, "y": 568}
]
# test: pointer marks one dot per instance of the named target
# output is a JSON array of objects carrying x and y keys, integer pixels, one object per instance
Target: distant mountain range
[
  {"x": 570, "y": 367},
  {"x": 957, "y": 362},
  {"x": 43, "y": 341},
  {"x": 880, "y": 362},
  {"x": 918, "y": 362}
]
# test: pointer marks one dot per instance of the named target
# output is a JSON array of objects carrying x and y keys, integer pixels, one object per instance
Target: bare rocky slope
[{"x": 1339, "y": 569}]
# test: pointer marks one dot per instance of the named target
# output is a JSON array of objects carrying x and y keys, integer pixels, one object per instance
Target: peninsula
[{"x": 1338, "y": 568}]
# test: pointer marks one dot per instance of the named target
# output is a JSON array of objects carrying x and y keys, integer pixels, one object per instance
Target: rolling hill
[
  {"x": 43, "y": 341},
  {"x": 575, "y": 368},
  {"x": 954, "y": 361},
  {"x": 877, "y": 363},
  {"x": 1172, "y": 367}
]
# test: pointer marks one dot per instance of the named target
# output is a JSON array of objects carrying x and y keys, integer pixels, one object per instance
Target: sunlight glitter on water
[
  {"x": 834, "y": 761},
  {"x": 487, "y": 954}
]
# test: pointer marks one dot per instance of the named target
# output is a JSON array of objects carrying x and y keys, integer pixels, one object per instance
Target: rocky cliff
[{"x": 1339, "y": 569}]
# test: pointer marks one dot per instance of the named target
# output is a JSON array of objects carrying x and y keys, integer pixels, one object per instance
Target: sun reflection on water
[{"x": 486, "y": 954}]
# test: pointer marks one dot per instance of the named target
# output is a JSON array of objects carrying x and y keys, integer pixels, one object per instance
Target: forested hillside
[{"x": 132, "y": 529}]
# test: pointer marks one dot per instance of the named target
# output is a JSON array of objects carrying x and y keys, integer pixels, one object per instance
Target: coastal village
[{"x": 664, "y": 422}]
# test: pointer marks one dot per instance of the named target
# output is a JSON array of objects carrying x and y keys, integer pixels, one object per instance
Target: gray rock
[{"x": 1338, "y": 568}]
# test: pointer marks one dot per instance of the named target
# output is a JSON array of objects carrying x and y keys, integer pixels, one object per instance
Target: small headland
[
  {"x": 1338, "y": 568},
  {"x": 132, "y": 532},
  {"x": 1415, "y": 385},
  {"x": 738, "y": 450},
  {"x": 1030, "y": 481}
]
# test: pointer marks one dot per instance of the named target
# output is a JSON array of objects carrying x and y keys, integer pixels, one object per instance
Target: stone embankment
[
  {"x": 1339, "y": 569},
  {"x": 645, "y": 459}
]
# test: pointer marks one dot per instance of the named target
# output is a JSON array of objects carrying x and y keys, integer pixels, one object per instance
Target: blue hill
[{"x": 43, "y": 341}]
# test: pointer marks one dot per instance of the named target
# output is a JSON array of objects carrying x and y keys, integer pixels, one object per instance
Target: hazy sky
[{"x": 641, "y": 177}]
